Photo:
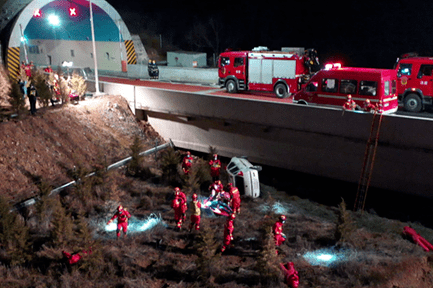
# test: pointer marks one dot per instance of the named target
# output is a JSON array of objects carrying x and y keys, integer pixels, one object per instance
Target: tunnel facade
[{"x": 51, "y": 32}]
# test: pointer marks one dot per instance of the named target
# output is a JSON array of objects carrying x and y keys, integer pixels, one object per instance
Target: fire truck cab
[
  {"x": 415, "y": 83},
  {"x": 332, "y": 86},
  {"x": 263, "y": 70}
]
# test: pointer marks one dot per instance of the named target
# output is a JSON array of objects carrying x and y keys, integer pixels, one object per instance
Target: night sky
[{"x": 358, "y": 33}]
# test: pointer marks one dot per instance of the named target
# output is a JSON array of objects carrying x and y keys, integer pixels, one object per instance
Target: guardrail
[{"x": 118, "y": 164}]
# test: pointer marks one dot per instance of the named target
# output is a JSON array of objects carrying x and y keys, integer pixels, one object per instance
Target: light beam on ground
[
  {"x": 138, "y": 225},
  {"x": 325, "y": 257}
]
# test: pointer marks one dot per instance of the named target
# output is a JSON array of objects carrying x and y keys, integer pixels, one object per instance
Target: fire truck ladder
[{"x": 367, "y": 167}]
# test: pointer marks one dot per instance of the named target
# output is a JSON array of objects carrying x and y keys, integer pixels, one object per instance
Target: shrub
[
  {"x": 44, "y": 207},
  {"x": 83, "y": 184},
  {"x": 62, "y": 232},
  {"x": 169, "y": 163},
  {"x": 64, "y": 89},
  {"x": 39, "y": 79},
  {"x": 14, "y": 235},
  {"x": 199, "y": 174},
  {"x": 268, "y": 262},
  {"x": 206, "y": 247},
  {"x": 345, "y": 226},
  {"x": 78, "y": 84},
  {"x": 134, "y": 166},
  {"x": 16, "y": 99}
]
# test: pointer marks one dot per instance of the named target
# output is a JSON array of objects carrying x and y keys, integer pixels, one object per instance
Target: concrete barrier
[
  {"x": 191, "y": 75},
  {"x": 316, "y": 140}
]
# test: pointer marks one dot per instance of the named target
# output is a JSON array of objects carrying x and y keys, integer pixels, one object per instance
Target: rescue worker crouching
[
  {"x": 71, "y": 259},
  {"x": 291, "y": 276},
  {"x": 350, "y": 104},
  {"x": 122, "y": 216},
  {"x": 369, "y": 107}
]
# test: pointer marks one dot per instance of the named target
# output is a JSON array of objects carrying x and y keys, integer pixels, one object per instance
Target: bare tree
[{"x": 208, "y": 34}]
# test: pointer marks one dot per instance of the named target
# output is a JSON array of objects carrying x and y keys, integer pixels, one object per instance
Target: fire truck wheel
[
  {"x": 412, "y": 103},
  {"x": 281, "y": 90},
  {"x": 231, "y": 86}
]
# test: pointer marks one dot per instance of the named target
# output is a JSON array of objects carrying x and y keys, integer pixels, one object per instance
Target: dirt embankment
[{"x": 51, "y": 143}]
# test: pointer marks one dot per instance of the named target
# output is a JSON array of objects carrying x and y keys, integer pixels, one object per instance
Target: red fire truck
[
  {"x": 264, "y": 70},
  {"x": 415, "y": 82},
  {"x": 332, "y": 86}
]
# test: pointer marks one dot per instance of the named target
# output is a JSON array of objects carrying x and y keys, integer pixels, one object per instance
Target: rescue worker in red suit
[
  {"x": 216, "y": 188},
  {"x": 74, "y": 258},
  {"x": 220, "y": 193},
  {"x": 418, "y": 239},
  {"x": 368, "y": 106},
  {"x": 228, "y": 232},
  {"x": 215, "y": 166},
  {"x": 224, "y": 196},
  {"x": 195, "y": 216},
  {"x": 177, "y": 206},
  {"x": 28, "y": 70},
  {"x": 180, "y": 206},
  {"x": 291, "y": 276},
  {"x": 179, "y": 194},
  {"x": 122, "y": 216},
  {"x": 235, "y": 201},
  {"x": 187, "y": 163},
  {"x": 48, "y": 69},
  {"x": 277, "y": 229},
  {"x": 349, "y": 104}
]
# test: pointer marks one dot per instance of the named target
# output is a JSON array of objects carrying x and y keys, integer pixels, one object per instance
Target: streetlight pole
[
  {"x": 94, "y": 49},
  {"x": 23, "y": 40}
]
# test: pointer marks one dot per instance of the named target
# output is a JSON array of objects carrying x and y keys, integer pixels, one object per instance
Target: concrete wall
[
  {"x": 59, "y": 51},
  {"x": 320, "y": 141},
  {"x": 186, "y": 59}
]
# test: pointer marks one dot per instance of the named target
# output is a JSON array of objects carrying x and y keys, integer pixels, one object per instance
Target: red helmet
[
  {"x": 215, "y": 156},
  {"x": 194, "y": 196},
  {"x": 120, "y": 208},
  {"x": 232, "y": 216},
  {"x": 230, "y": 184},
  {"x": 177, "y": 189},
  {"x": 283, "y": 218}
]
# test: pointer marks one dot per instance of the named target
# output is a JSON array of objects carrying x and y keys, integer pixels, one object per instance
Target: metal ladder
[{"x": 367, "y": 167}]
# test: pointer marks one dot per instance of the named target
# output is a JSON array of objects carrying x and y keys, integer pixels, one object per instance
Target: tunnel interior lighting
[{"x": 54, "y": 20}]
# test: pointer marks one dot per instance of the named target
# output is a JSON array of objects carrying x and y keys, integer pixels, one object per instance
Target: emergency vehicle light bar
[{"x": 330, "y": 66}]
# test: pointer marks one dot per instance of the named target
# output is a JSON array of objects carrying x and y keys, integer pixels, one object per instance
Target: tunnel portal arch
[{"x": 27, "y": 32}]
